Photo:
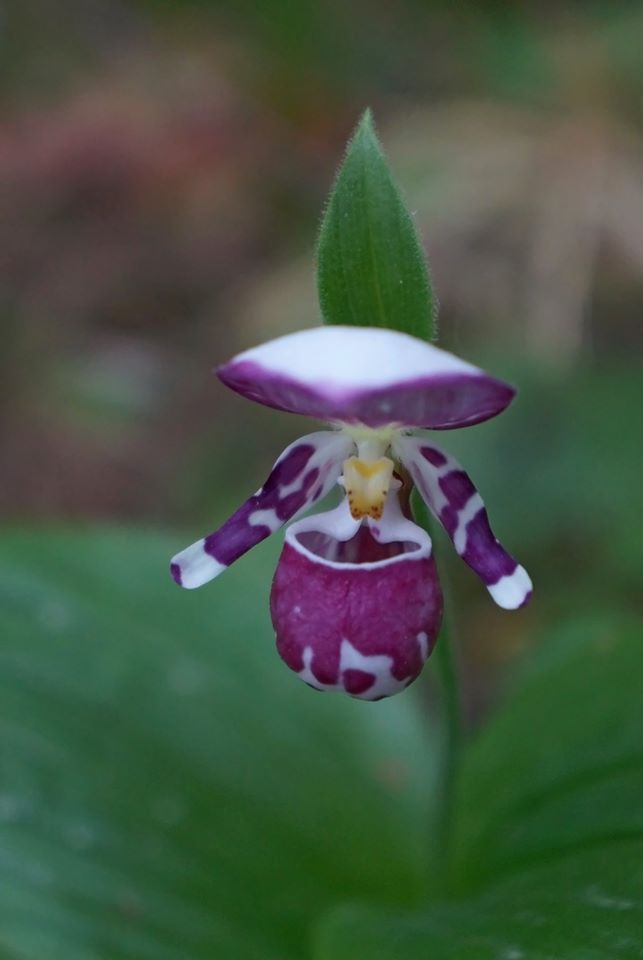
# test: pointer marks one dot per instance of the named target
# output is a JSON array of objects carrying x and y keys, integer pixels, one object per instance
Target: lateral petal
[
  {"x": 304, "y": 473},
  {"x": 453, "y": 499}
]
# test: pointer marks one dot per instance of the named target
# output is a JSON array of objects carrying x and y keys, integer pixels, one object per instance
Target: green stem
[
  {"x": 449, "y": 755},
  {"x": 451, "y": 735}
]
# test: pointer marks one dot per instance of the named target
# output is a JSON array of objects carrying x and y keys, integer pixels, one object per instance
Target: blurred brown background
[{"x": 163, "y": 167}]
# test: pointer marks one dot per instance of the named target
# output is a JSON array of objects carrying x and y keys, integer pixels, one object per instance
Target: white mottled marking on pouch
[
  {"x": 423, "y": 644},
  {"x": 384, "y": 685},
  {"x": 472, "y": 507},
  {"x": 378, "y": 664},
  {"x": 511, "y": 590},
  {"x": 307, "y": 674}
]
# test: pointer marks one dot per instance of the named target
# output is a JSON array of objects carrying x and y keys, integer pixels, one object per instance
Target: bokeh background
[
  {"x": 163, "y": 167},
  {"x": 163, "y": 170}
]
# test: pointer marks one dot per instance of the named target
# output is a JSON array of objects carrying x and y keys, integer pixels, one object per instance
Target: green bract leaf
[
  {"x": 168, "y": 790},
  {"x": 371, "y": 269},
  {"x": 549, "y": 826}
]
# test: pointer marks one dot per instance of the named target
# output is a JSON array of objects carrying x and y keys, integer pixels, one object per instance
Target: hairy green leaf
[{"x": 371, "y": 269}]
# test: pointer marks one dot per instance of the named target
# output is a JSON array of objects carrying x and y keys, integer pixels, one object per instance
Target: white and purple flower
[{"x": 356, "y": 602}]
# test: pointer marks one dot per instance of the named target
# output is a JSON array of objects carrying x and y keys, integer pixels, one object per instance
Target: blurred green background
[{"x": 167, "y": 789}]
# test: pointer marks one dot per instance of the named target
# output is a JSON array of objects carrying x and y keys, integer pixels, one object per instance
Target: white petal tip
[
  {"x": 513, "y": 590},
  {"x": 193, "y": 567}
]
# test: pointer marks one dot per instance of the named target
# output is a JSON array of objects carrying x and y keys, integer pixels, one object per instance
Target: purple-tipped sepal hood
[{"x": 368, "y": 376}]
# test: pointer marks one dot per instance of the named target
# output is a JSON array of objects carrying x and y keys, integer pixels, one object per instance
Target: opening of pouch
[{"x": 362, "y": 548}]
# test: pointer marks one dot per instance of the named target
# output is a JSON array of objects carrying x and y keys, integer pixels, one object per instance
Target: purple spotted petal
[
  {"x": 304, "y": 472},
  {"x": 360, "y": 375},
  {"x": 452, "y": 498},
  {"x": 352, "y": 612}
]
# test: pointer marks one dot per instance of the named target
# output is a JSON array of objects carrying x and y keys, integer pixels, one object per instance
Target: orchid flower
[{"x": 356, "y": 601}]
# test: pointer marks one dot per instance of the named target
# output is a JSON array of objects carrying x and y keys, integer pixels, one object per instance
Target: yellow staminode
[{"x": 367, "y": 483}]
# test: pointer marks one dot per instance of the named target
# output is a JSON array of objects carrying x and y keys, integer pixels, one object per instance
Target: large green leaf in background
[
  {"x": 583, "y": 908},
  {"x": 371, "y": 269},
  {"x": 168, "y": 789},
  {"x": 549, "y": 825},
  {"x": 561, "y": 766}
]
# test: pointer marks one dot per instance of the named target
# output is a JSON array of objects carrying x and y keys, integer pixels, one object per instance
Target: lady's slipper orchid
[{"x": 356, "y": 602}]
